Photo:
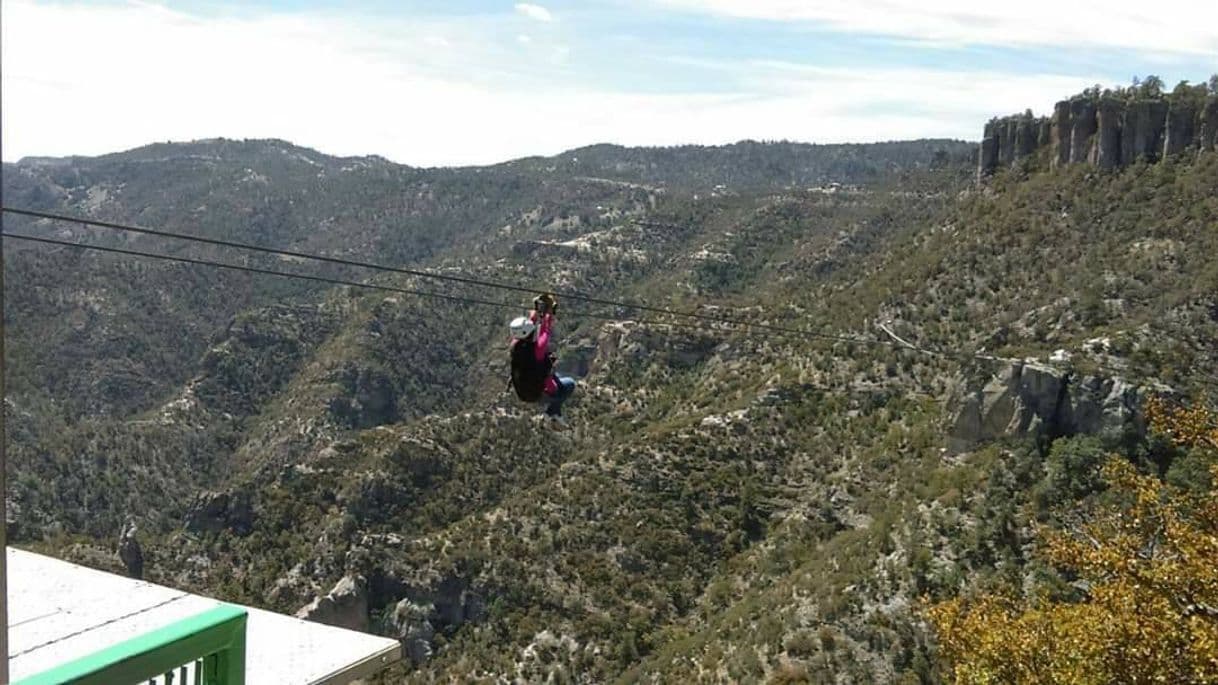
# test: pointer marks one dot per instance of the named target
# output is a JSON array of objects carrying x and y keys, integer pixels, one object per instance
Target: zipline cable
[
  {"x": 323, "y": 279},
  {"x": 895, "y": 343},
  {"x": 465, "y": 280},
  {"x": 249, "y": 269}
]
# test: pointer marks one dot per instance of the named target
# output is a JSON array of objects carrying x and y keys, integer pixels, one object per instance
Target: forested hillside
[{"x": 730, "y": 504}]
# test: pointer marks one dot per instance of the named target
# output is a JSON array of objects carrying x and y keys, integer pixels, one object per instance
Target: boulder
[
  {"x": 345, "y": 606},
  {"x": 1181, "y": 128},
  {"x": 1082, "y": 113},
  {"x": 1061, "y": 127},
  {"x": 1106, "y": 150}
]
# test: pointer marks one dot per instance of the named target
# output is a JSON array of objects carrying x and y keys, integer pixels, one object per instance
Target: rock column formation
[
  {"x": 1180, "y": 129},
  {"x": 1026, "y": 133},
  {"x": 1082, "y": 113},
  {"x": 1009, "y": 140},
  {"x": 1044, "y": 133},
  {"x": 1208, "y": 137},
  {"x": 1142, "y": 133},
  {"x": 1106, "y": 152},
  {"x": 987, "y": 154},
  {"x": 1108, "y": 132},
  {"x": 1006, "y": 142},
  {"x": 1062, "y": 126}
]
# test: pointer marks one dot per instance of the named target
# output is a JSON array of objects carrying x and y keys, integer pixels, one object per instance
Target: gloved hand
[{"x": 545, "y": 304}]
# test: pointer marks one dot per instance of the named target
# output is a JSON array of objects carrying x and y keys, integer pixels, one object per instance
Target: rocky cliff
[
  {"x": 1108, "y": 131},
  {"x": 1033, "y": 399}
]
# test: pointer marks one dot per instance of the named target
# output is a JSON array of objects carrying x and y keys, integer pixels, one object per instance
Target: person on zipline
[{"x": 533, "y": 375}]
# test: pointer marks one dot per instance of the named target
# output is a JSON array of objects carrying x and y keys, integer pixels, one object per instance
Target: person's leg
[{"x": 566, "y": 386}]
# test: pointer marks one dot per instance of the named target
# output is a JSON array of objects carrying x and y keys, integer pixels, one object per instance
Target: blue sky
[{"x": 475, "y": 81}]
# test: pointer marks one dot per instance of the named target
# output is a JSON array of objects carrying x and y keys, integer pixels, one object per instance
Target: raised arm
[{"x": 542, "y": 348}]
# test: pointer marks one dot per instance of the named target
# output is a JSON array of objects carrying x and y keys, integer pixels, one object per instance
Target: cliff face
[
  {"x": 1106, "y": 147},
  {"x": 1060, "y": 127},
  {"x": 1208, "y": 137},
  {"x": 1181, "y": 129},
  {"x": 1142, "y": 130},
  {"x": 1082, "y": 113},
  {"x": 1031, "y": 399},
  {"x": 1106, "y": 132},
  {"x": 1011, "y": 139}
]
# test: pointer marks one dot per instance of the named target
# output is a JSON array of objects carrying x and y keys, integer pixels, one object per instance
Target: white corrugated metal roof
[{"x": 59, "y": 612}]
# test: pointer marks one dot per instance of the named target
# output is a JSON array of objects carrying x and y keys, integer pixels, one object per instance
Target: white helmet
[{"x": 522, "y": 327}]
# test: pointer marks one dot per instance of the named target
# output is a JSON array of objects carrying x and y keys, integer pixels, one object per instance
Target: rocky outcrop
[
  {"x": 130, "y": 552},
  {"x": 1106, "y": 152},
  {"x": 1006, "y": 141},
  {"x": 638, "y": 346},
  {"x": 412, "y": 625},
  {"x": 345, "y": 606},
  {"x": 1115, "y": 130},
  {"x": 211, "y": 512},
  {"x": 424, "y": 611},
  {"x": 1028, "y": 399}
]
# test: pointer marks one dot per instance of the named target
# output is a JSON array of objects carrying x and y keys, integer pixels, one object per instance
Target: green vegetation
[
  {"x": 728, "y": 506},
  {"x": 1141, "y": 608}
]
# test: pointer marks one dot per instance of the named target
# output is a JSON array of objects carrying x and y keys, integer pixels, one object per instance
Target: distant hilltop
[{"x": 1107, "y": 128}]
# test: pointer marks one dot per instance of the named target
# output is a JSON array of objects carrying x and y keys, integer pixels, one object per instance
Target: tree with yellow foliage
[
  {"x": 1195, "y": 426},
  {"x": 1148, "y": 569}
]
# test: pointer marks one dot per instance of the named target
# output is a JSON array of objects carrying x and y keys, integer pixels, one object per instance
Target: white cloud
[
  {"x": 1173, "y": 26},
  {"x": 534, "y": 11},
  {"x": 96, "y": 79},
  {"x": 524, "y": 39}
]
